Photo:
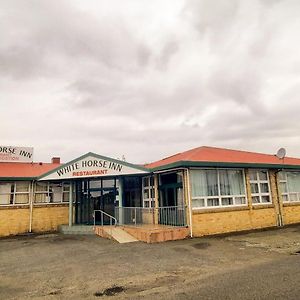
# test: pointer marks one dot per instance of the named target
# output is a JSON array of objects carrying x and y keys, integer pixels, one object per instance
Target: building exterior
[{"x": 208, "y": 190}]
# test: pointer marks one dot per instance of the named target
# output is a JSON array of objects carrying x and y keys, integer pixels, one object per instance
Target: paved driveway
[{"x": 260, "y": 265}]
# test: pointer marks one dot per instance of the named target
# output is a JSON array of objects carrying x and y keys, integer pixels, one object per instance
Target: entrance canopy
[{"x": 93, "y": 165}]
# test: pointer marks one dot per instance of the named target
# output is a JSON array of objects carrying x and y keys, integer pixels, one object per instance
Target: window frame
[
  {"x": 288, "y": 193},
  {"x": 150, "y": 191},
  {"x": 13, "y": 192},
  {"x": 259, "y": 181},
  {"x": 219, "y": 196},
  {"x": 49, "y": 193}
]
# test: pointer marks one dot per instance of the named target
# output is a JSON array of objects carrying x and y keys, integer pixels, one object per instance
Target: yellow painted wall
[
  {"x": 230, "y": 221},
  {"x": 217, "y": 221},
  {"x": 14, "y": 221},
  {"x": 49, "y": 218},
  {"x": 291, "y": 214}
]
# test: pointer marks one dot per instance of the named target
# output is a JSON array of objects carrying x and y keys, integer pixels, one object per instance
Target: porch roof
[{"x": 93, "y": 165}]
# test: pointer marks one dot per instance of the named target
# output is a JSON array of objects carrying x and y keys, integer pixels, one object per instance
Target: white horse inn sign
[
  {"x": 16, "y": 154},
  {"x": 93, "y": 165}
]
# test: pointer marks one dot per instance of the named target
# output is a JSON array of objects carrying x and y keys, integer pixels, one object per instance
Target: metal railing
[
  {"x": 166, "y": 215},
  {"x": 102, "y": 216}
]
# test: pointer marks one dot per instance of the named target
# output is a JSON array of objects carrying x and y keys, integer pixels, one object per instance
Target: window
[
  {"x": 289, "y": 184},
  {"x": 260, "y": 186},
  {"x": 14, "y": 192},
  {"x": 148, "y": 192},
  {"x": 46, "y": 192},
  {"x": 217, "y": 188}
]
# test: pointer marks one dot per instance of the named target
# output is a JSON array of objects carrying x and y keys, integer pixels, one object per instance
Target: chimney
[{"x": 55, "y": 160}]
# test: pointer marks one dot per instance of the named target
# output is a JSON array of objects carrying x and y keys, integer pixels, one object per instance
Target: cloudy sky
[{"x": 147, "y": 79}]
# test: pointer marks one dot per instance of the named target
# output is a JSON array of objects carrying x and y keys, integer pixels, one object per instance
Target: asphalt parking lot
[{"x": 258, "y": 265}]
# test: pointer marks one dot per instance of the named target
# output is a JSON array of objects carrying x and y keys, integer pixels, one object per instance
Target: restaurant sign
[
  {"x": 16, "y": 154},
  {"x": 93, "y": 166}
]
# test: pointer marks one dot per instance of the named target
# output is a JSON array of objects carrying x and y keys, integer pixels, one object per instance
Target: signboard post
[{"x": 16, "y": 154}]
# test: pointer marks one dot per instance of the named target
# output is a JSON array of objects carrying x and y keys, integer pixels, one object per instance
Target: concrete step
[
  {"x": 76, "y": 229},
  {"x": 119, "y": 235}
]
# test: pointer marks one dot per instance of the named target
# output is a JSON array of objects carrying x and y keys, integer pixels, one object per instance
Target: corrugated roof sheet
[{"x": 212, "y": 154}]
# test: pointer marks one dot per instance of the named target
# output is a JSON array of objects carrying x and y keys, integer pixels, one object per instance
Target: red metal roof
[
  {"x": 212, "y": 154},
  {"x": 12, "y": 169}
]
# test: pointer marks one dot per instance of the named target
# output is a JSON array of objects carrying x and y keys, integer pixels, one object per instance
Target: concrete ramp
[{"x": 115, "y": 233}]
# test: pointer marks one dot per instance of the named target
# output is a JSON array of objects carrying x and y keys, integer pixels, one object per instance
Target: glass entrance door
[{"x": 94, "y": 195}]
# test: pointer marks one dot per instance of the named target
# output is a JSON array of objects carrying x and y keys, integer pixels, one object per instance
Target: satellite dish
[{"x": 281, "y": 153}]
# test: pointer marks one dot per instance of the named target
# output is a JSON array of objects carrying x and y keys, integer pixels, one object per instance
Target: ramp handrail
[{"x": 103, "y": 213}]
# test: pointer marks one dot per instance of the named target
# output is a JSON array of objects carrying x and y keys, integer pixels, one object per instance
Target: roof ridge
[{"x": 245, "y": 151}]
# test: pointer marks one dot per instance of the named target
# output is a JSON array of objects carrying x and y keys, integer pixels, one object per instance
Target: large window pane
[
  {"x": 5, "y": 192},
  {"x": 57, "y": 192},
  {"x": 293, "y": 179},
  {"x": 282, "y": 175},
  {"x": 5, "y": 199},
  {"x": 283, "y": 187},
  {"x": 290, "y": 186},
  {"x": 212, "y": 188},
  {"x": 22, "y": 186},
  {"x": 41, "y": 187},
  {"x": 204, "y": 183},
  {"x": 21, "y": 198},
  {"x": 231, "y": 182}
]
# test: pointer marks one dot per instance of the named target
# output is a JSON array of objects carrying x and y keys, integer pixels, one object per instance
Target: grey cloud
[
  {"x": 216, "y": 18},
  {"x": 169, "y": 49},
  {"x": 97, "y": 76}
]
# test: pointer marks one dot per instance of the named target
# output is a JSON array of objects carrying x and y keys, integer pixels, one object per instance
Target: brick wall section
[
  {"x": 230, "y": 221},
  {"x": 49, "y": 218},
  {"x": 276, "y": 198},
  {"x": 291, "y": 214},
  {"x": 15, "y": 220},
  {"x": 224, "y": 220}
]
